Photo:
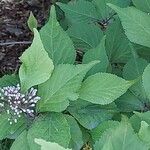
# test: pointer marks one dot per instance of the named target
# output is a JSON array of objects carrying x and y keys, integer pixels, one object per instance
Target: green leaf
[
  {"x": 117, "y": 44},
  {"x": 106, "y": 12},
  {"x": 143, "y": 52},
  {"x": 136, "y": 24},
  {"x": 7, "y": 129},
  {"x": 21, "y": 142},
  {"x": 135, "y": 122},
  {"x": 32, "y": 22},
  {"x": 144, "y": 133},
  {"x": 120, "y": 138},
  {"x": 143, "y": 5},
  {"x": 76, "y": 141},
  {"x": 132, "y": 70},
  {"x": 138, "y": 117},
  {"x": 129, "y": 103},
  {"x": 97, "y": 132},
  {"x": 79, "y": 11},
  {"x": 8, "y": 80},
  {"x": 36, "y": 66},
  {"x": 81, "y": 34},
  {"x": 51, "y": 127},
  {"x": 146, "y": 77},
  {"x": 49, "y": 145},
  {"x": 144, "y": 116},
  {"x": 89, "y": 115},
  {"x": 98, "y": 53},
  {"x": 62, "y": 87},
  {"x": 56, "y": 41},
  {"x": 103, "y": 88}
]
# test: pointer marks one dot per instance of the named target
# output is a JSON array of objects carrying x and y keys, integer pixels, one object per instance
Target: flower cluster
[{"x": 17, "y": 103}]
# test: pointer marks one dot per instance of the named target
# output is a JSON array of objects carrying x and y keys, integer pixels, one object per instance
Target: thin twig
[
  {"x": 14, "y": 43},
  {"x": 108, "y": 19}
]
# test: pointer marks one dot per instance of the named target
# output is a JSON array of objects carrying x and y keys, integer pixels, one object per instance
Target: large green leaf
[
  {"x": 98, "y": 53},
  {"x": 132, "y": 70},
  {"x": 62, "y": 86},
  {"x": 81, "y": 34},
  {"x": 21, "y": 142},
  {"x": 36, "y": 66},
  {"x": 106, "y": 12},
  {"x": 143, "y": 5},
  {"x": 117, "y": 44},
  {"x": 146, "y": 79},
  {"x": 76, "y": 141},
  {"x": 120, "y": 138},
  {"x": 49, "y": 145},
  {"x": 79, "y": 11},
  {"x": 136, "y": 24},
  {"x": 56, "y": 41},
  {"x": 51, "y": 127},
  {"x": 103, "y": 88}
]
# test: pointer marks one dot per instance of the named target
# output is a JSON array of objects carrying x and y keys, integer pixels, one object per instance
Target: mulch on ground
[{"x": 13, "y": 29}]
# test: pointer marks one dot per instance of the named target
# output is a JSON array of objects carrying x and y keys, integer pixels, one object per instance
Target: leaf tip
[
  {"x": 112, "y": 6},
  {"x": 32, "y": 22}
]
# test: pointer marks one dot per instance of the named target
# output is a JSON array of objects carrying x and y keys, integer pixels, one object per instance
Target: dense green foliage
[{"x": 91, "y": 70}]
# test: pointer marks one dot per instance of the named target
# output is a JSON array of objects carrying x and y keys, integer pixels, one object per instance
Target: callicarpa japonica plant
[{"x": 84, "y": 82}]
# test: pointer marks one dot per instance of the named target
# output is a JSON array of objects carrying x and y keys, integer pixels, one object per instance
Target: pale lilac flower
[{"x": 17, "y": 103}]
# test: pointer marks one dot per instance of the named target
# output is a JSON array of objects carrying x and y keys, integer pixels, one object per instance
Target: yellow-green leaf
[{"x": 36, "y": 66}]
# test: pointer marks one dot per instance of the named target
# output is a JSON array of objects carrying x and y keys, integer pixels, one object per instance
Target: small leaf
[
  {"x": 20, "y": 142},
  {"x": 32, "y": 22},
  {"x": 117, "y": 45},
  {"x": 8, "y": 80},
  {"x": 143, "y": 52},
  {"x": 136, "y": 24},
  {"x": 56, "y": 41},
  {"x": 146, "y": 78},
  {"x": 144, "y": 133},
  {"x": 7, "y": 129},
  {"x": 98, "y": 53},
  {"x": 133, "y": 70},
  {"x": 103, "y": 88},
  {"x": 144, "y": 116},
  {"x": 90, "y": 115},
  {"x": 49, "y": 145},
  {"x": 62, "y": 86},
  {"x": 36, "y": 66},
  {"x": 135, "y": 122},
  {"x": 129, "y": 102},
  {"x": 76, "y": 141},
  {"x": 97, "y": 132},
  {"x": 50, "y": 127}
]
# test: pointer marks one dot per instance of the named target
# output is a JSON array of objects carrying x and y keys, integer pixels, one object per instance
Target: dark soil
[{"x": 13, "y": 28}]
